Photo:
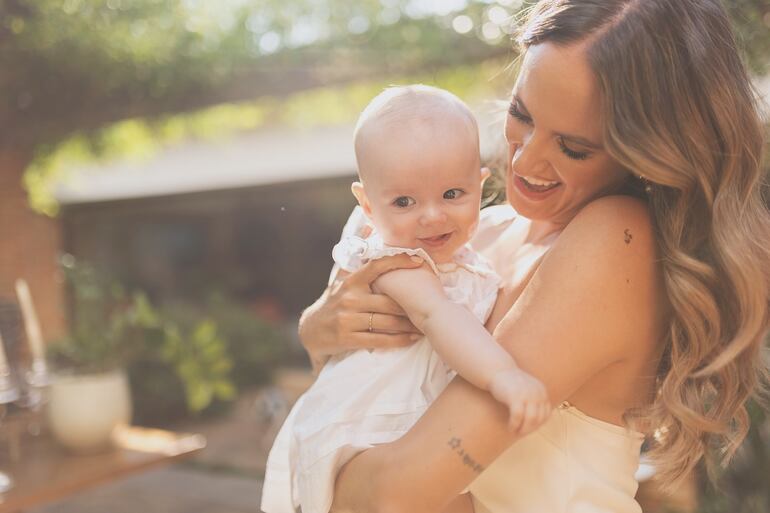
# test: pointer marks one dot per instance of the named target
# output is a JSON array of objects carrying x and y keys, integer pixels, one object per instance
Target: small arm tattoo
[
  {"x": 628, "y": 236},
  {"x": 456, "y": 445}
]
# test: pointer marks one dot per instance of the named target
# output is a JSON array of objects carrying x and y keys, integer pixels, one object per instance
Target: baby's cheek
[{"x": 473, "y": 225}]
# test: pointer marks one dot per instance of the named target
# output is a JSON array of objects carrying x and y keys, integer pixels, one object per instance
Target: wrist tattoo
[
  {"x": 627, "y": 236},
  {"x": 456, "y": 445}
]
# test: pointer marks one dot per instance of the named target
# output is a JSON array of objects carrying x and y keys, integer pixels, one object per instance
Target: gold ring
[{"x": 371, "y": 317}]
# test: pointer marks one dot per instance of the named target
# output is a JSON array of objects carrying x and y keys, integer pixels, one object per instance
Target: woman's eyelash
[
  {"x": 575, "y": 155},
  {"x": 514, "y": 111}
]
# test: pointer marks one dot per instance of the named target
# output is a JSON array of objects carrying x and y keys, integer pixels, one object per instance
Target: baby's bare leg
[{"x": 462, "y": 504}]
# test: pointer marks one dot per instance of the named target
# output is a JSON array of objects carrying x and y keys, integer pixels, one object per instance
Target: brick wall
[{"x": 29, "y": 247}]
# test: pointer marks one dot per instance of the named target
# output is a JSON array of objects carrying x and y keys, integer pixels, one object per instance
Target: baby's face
[{"x": 424, "y": 191}]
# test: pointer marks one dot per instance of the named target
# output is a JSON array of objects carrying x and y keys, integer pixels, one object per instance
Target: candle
[
  {"x": 4, "y": 369},
  {"x": 31, "y": 324}
]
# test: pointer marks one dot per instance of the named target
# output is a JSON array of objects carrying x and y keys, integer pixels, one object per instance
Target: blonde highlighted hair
[{"x": 679, "y": 110}]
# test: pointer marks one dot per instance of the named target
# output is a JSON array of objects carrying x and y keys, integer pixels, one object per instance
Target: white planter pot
[{"x": 85, "y": 410}]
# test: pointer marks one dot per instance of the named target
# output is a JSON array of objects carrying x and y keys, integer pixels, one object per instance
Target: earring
[{"x": 646, "y": 183}]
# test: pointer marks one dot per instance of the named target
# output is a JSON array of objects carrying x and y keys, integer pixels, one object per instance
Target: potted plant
[{"x": 109, "y": 331}]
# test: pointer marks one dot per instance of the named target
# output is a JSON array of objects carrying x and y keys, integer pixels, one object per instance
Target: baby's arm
[{"x": 466, "y": 346}]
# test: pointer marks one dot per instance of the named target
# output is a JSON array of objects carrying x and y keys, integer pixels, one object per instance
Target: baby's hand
[{"x": 525, "y": 397}]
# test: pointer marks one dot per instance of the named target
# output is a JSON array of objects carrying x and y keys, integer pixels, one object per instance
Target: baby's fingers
[
  {"x": 533, "y": 418},
  {"x": 517, "y": 412},
  {"x": 545, "y": 412}
]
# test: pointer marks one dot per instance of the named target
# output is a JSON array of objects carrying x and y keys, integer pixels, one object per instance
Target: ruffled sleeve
[
  {"x": 353, "y": 250},
  {"x": 493, "y": 221}
]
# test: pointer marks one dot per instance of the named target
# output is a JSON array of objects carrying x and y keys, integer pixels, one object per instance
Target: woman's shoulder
[
  {"x": 611, "y": 243},
  {"x": 619, "y": 226}
]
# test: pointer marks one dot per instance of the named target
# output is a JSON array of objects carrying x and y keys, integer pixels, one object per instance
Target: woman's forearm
[
  {"x": 358, "y": 484},
  {"x": 462, "y": 432}
]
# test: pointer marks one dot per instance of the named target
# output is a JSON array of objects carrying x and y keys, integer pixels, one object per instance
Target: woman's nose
[{"x": 527, "y": 155}]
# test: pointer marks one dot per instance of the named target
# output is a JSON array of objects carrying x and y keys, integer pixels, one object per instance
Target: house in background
[{"x": 253, "y": 217}]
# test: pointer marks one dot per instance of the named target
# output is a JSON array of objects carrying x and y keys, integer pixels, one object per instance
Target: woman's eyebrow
[{"x": 574, "y": 138}]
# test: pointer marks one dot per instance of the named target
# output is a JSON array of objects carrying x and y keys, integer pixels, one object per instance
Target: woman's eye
[
  {"x": 453, "y": 194},
  {"x": 403, "y": 202},
  {"x": 573, "y": 154},
  {"x": 514, "y": 111}
]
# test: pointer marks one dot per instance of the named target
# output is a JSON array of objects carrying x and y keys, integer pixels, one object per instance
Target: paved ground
[{"x": 225, "y": 478}]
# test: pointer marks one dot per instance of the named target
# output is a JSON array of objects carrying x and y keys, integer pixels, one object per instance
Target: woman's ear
[{"x": 357, "y": 188}]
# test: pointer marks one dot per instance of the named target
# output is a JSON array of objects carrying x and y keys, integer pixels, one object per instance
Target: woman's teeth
[{"x": 538, "y": 184}]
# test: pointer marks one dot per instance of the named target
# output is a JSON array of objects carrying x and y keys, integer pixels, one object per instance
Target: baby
[{"x": 417, "y": 151}]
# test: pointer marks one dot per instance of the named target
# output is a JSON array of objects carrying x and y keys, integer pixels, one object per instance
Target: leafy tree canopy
[{"x": 78, "y": 66}]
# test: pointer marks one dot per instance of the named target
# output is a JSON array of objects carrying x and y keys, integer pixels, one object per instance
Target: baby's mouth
[{"x": 437, "y": 240}]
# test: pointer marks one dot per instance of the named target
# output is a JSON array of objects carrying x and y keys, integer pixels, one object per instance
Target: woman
[{"x": 636, "y": 272}]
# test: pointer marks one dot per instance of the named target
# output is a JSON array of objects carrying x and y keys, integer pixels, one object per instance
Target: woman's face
[{"x": 554, "y": 134}]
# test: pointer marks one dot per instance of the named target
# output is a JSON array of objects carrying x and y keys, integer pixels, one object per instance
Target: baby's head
[{"x": 417, "y": 149}]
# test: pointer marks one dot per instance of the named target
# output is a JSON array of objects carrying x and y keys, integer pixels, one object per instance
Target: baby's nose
[{"x": 433, "y": 215}]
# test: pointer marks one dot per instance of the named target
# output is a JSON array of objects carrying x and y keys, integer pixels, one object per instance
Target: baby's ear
[
  {"x": 485, "y": 173},
  {"x": 357, "y": 188}
]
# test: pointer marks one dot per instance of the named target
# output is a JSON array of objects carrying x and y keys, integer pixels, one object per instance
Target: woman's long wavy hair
[{"x": 679, "y": 109}]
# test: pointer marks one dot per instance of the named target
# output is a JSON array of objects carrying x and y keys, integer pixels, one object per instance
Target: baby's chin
[{"x": 445, "y": 253}]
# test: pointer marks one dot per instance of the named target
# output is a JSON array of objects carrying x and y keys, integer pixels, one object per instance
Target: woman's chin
[{"x": 527, "y": 209}]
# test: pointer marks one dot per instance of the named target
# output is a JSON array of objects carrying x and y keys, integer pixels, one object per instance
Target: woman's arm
[
  {"x": 583, "y": 311},
  {"x": 339, "y": 320}
]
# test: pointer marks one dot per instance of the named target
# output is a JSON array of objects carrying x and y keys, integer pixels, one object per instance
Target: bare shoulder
[
  {"x": 594, "y": 300},
  {"x": 616, "y": 231}
]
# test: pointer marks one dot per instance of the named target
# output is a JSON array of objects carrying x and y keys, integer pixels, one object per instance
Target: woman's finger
[
  {"x": 384, "y": 323},
  {"x": 380, "y": 303},
  {"x": 372, "y": 270},
  {"x": 366, "y": 340}
]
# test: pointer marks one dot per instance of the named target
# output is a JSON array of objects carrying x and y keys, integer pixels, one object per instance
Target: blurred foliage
[
  {"x": 744, "y": 487},
  {"x": 110, "y": 329},
  {"x": 105, "y": 78},
  {"x": 102, "y": 317},
  {"x": 751, "y": 20},
  {"x": 260, "y": 346},
  {"x": 254, "y": 347},
  {"x": 79, "y": 64},
  {"x": 137, "y": 139}
]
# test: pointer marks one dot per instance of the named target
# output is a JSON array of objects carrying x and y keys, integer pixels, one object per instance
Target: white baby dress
[{"x": 365, "y": 397}]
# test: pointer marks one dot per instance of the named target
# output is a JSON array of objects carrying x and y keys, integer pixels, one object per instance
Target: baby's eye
[
  {"x": 453, "y": 194},
  {"x": 403, "y": 201}
]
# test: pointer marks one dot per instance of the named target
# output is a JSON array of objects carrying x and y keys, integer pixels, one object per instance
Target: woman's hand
[{"x": 341, "y": 318}]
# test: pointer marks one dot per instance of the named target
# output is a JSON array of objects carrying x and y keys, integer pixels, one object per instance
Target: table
[{"x": 48, "y": 473}]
